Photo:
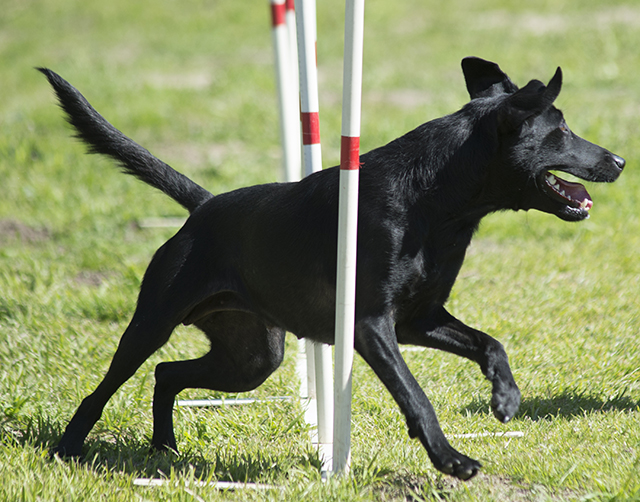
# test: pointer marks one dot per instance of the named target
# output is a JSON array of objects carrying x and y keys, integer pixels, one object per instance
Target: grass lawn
[{"x": 193, "y": 81}]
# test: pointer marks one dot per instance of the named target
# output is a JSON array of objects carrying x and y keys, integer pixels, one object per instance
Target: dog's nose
[{"x": 620, "y": 162}]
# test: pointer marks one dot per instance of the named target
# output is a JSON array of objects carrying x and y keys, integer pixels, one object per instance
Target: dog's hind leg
[
  {"x": 444, "y": 332},
  {"x": 376, "y": 343},
  {"x": 157, "y": 314},
  {"x": 244, "y": 352},
  {"x": 138, "y": 342}
]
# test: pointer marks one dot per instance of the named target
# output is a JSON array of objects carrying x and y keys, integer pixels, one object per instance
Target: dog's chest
[{"x": 425, "y": 279}]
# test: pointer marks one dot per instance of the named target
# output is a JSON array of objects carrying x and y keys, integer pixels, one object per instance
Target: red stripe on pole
[
  {"x": 350, "y": 153},
  {"x": 310, "y": 128},
  {"x": 290, "y": 4},
  {"x": 278, "y": 14}
]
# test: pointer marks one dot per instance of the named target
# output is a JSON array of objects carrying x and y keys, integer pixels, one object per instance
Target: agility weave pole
[
  {"x": 312, "y": 159},
  {"x": 287, "y": 83},
  {"x": 347, "y": 232},
  {"x": 285, "y": 43}
]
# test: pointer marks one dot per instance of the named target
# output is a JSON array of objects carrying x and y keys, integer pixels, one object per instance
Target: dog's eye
[{"x": 564, "y": 127}]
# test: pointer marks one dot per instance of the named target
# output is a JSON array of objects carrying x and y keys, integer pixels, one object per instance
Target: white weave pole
[
  {"x": 309, "y": 115},
  {"x": 347, "y": 232},
  {"x": 305, "y": 365},
  {"x": 287, "y": 84},
  {"x": 293, "y": 53},
  {"x": 283, "y": 29}
]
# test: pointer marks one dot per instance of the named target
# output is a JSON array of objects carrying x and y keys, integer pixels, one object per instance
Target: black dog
[{"x": 252, "y": 264}]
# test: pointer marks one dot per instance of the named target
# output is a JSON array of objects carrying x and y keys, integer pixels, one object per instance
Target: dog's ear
[
  {"x": 533, "y": 99},
  {"x": 485, "y": 79}
]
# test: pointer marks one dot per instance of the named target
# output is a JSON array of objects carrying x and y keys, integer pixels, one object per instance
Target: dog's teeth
[
  {"x": 551, "y": 179},
  {"x": 562, "y": 193}
]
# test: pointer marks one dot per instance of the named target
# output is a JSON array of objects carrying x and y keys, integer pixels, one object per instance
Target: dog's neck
[{"x": 445, "y": 173}]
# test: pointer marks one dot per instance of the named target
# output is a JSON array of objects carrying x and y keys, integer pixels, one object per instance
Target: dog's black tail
[{"x": 102, "y": 137}]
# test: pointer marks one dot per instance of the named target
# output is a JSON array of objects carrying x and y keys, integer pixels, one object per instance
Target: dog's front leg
[
  {"x": 376, "y": 343},
  {"x": 443, "y": 331}
]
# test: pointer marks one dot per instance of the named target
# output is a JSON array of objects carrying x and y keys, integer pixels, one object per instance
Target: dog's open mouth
[{"x": 571, "y": 194}]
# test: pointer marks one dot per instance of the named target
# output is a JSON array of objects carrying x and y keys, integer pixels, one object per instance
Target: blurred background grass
[{"x": 193, "y": 81}]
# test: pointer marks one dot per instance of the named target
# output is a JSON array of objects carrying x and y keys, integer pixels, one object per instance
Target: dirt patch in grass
[
  {"x": 199, "y": 156},
  {"x": 482, "y": 487},
  {"x": 545, "y": 23},
  {"x": 89, "y": 278},
  {"x": 14, "y": 230},
  {"x": 502, "y": 488}
]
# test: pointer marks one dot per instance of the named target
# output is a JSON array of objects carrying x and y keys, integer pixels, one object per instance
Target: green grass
[{"x": 193, "y": 81}]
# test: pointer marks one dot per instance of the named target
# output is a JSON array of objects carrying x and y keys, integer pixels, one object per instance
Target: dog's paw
[
  {"x": 65, "y": 451},
  {"x": 505, "y": 400},
  {"x": 164, "y": 445},
  {"x": 455, "y": 463}
]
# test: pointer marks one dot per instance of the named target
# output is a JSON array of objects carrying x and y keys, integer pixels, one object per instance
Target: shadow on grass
[
  {"x": 133, "y": 456},
  {"x": 571, "y": 403}
]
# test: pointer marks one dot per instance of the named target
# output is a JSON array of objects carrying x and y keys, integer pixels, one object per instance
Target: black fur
[
  {"x": 102, "y": 137},
  {"x": 251, "y": 264}
]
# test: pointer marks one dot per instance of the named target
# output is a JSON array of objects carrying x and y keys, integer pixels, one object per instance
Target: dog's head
[{"x": 536, "y": 140}]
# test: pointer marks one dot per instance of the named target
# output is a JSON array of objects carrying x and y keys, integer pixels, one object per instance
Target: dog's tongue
[{"x": 574, "y": 192}]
